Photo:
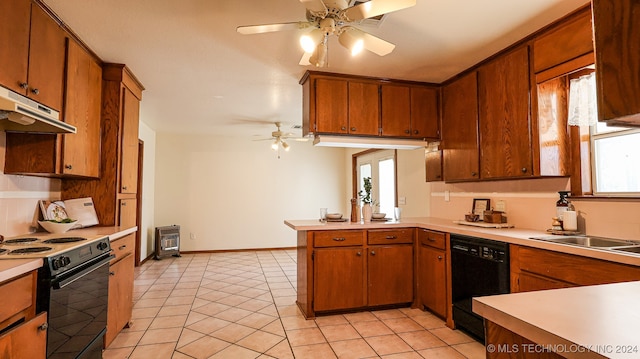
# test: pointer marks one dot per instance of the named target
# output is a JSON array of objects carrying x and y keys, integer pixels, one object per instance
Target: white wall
[
  {"x": 234, "y": 193},
  {"x": 147, "y": 135}
]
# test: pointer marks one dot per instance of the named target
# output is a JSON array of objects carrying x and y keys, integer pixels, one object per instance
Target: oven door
[{"x": 78, "y": 310}]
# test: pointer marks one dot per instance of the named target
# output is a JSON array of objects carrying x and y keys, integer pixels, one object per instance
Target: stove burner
[
  {"x": 20, "y": 240},
  {"x": 2, "y": 250},
  {"x": 29, "y": 250},
  {"x": 64, "y": 240}
]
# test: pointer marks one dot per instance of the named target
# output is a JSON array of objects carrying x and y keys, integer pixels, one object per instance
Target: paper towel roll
[{"x": 570, "y": 221}]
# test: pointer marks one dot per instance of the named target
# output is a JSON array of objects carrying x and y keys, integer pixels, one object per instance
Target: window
[
  {"x": 381, "y": 167},
  {"x": 613, "y": 153}
]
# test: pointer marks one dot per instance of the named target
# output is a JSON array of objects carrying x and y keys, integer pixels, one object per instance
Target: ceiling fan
[
  {"x": 335, "y": 17},
  {"x": 279, "y": 138}
]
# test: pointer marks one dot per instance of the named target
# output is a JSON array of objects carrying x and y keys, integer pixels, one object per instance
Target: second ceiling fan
[{"x": 335, "y": 17}]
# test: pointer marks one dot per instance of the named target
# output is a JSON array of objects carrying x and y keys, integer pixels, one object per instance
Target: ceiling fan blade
[
  {"x": 259, "y": 29},
  {"x": 304, "y": 61},
  {"x": 376, "y": 7},
  {"x": 376, "y": 44},
  {"x": 316, "y": 6}
]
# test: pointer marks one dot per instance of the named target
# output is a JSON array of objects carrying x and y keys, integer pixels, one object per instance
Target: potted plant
[{"x": 365, "y": 196}]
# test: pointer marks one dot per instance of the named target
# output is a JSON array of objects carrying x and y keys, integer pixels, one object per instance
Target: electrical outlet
[
  {"x": 402, "y": 200},
  {"x": 500, "y": 206},
  {"x": 192, "y": 235},
  {"x": 447, "y": 196}
]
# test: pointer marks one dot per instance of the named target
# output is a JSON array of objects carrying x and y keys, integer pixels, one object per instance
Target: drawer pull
[
  {"x": 112, "y": 273},
  {"x": 339, "y": 239},
  {"x": 373, "y": 253},
  {"x": 43, "y": 327},
  {"x": 392, "y": 237},
  {"x": 122, "y": 247},
  {"x": 359, "y": 254},
  {"x": 439, "y": 258},
  {"x": 430, "y": 239}
]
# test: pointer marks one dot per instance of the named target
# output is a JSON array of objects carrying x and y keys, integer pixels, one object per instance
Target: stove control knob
[
  {"x": 102, "y": 246},
  {"x": 61, "y": 262}
]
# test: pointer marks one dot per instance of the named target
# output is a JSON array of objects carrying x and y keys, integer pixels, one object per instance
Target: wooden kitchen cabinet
[
  {"x": 425, "y": 121},
  {"x": 339, "y": 278},
  {"x": 537, "y": 269},
  {"x": 364, "y": 109},
  {"x": 121, "y": 94},
  {"x": 390, "y": 274},
  {"x": 120, "y": 301},
  {"x": 460, "y": 129},
  {"x": 65, "y": 155},
  {"x": 433, "y": 165},
  {"x": 504, "y": 118},
  {"x": 23, "y": 334},
  {"x": 616, "y": 37},
  {"x": 395, "y": 102},
  {"x": 331, "y": 103},
  {"x": 32, "y": 52},
  {"x": 432, "y": 278}
]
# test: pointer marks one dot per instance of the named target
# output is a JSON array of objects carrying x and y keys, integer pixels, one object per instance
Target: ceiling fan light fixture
[
  {"x": 285, "y": 146},
  {"x": 351, "y": 39},
  {"x": 319, "y": 57},
  {"x": 310, "y": 40},
  {"x": 274, "y": 145}
]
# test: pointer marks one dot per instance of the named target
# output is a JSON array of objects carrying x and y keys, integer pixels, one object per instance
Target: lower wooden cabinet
[
  {"x": 339, "y": 278},
  {"x": 27, "y": 340},
  {"x": 390, "y": 274},
  {"x": 120, "y": 289},
  {"x": 432, "y": 269}
]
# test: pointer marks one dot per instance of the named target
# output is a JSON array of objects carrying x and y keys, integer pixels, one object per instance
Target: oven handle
[{"x": 65, "y": 282}]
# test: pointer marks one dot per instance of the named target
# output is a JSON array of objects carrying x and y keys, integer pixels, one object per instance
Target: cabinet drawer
[
  {"x": 431, "y": 238},
  {"x": 17, "y": 295},
  {"x": 390, "y": 236},
  {"x": 338, "y": 238},
  {"x": 122, "y": 246}
]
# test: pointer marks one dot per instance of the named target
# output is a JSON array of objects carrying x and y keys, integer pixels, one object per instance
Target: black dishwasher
[{"x": 479, "y": 267}]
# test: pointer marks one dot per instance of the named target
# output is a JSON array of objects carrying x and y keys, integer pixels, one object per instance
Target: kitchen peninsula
[{"x": 339, "y": 270}]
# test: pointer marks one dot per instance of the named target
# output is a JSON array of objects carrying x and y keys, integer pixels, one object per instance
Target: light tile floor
[{"x": 242, "y": 305}]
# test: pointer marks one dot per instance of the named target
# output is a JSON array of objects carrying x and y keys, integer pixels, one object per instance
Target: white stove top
[{"x": 11, "y": 250}]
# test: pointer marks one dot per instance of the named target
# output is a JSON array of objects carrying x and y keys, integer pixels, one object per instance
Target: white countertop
[
  {"x": 520, "y": 236},
  {"x": 12, "y": 268},
  {"x": 604, "y": 318}
]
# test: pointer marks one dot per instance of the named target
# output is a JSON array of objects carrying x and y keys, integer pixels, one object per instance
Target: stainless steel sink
[
  {"x": 635, "y": 249},
  {"x": 588, "y": 241}
]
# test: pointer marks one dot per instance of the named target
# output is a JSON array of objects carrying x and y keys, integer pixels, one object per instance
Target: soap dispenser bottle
[
  {"x": 562, "y": 204},
  {"x": 570, "y": 219}
]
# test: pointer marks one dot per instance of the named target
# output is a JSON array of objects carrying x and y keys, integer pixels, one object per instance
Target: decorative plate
[{"x": 56, "y": 211}]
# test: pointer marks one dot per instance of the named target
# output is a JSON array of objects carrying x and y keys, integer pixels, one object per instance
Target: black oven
[
  {"x": 76, "y": 301},
  {"x": 479, "y": 267}
]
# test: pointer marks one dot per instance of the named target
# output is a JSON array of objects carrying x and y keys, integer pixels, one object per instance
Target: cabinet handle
[
  {"x": 24, "y": 85},
  {"x": 43, "y": 327},
  {"x": 343, "y": 128},
  {"x": 430, "y": 239},
  {"x": 122, "y": 247},
  {"x": 68, "y": 167},
  {"x": 373, "y": 253},
  {"x": 473, "y": 174},
  {"x": 339, "y": 239},
  {"x": 123, "y": 203},
  {"x": 124, "y": 188},
  {"x": 391, "y": 237},
  {"x": 438, "y": 176},
  {"x": 112, "y": 273},
  {"x": 353, "y": 129},
  {"x": 416, "y": 132},
  {"x": 407, "y": 132},
  {"x": 524, "y": 170},
  {"x": 35, "y": 91},
  {"x": 439, "y": 258},
  {"x": 359, "y": 254}
]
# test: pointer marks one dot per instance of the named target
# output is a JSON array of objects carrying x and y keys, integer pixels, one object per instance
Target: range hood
[
  {"x": 368, "y": 142},
  {"x": 21, "y": 114}
]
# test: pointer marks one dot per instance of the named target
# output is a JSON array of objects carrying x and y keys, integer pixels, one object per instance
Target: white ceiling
[{"x": 201, "y": 76}]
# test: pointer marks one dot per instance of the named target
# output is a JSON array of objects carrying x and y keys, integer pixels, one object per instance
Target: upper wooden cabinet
[
  {"x": 505, "y": 130},
  {"x": 563, "y": 42},
  {"x": 617, "y": 35},
  {"x": 129, "y": 136},
  {"x": 362, "y": 106},
  {"x": 68, "y": 155},
  {"x": 460, "y": 129},
  {"x": 32, "y": 52}
]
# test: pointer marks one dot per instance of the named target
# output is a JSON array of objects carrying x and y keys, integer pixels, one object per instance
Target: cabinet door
[
  {"x": 129, "y": 135},
  {"x": 128, "y": 212},
  {"x": 27, "y": 340},
  {"x": 14, "y": 43},
  {"x": 460, "y": 129},
  {"x": 364, "y": 108},
  {"x": 432, "y": 279},
  {"x": 616, "y": 36},
  {"x": 390, "y": 275},
  {"x": 81, "y": 152},
  {"x": 433, "y": 166},
  {"x": 339, "y": 279},
  {"x": 528, "y": 282},
  {"x": 424, "y": 112},
  {"x": 120, "y": 297},
  {"x": 505, "y": 130},
  {"x": 396, "y": 110},
  {"x": 47, "y": 49},
  {"x": 331, "y": 106}
]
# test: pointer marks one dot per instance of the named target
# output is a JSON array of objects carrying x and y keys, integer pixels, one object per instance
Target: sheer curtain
[{"x": 582, "y": 101}]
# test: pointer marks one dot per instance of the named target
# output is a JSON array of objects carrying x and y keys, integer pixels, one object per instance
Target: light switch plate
[
  {"x": 447, "y": 196},
  {"x": 402, "y": 200}
]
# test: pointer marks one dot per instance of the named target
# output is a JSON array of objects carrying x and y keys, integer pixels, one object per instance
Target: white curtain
[{"x": 583, "y": 110}]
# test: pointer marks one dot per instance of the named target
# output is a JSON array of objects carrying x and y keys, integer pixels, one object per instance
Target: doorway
[{"x": 381, "y": 166}]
